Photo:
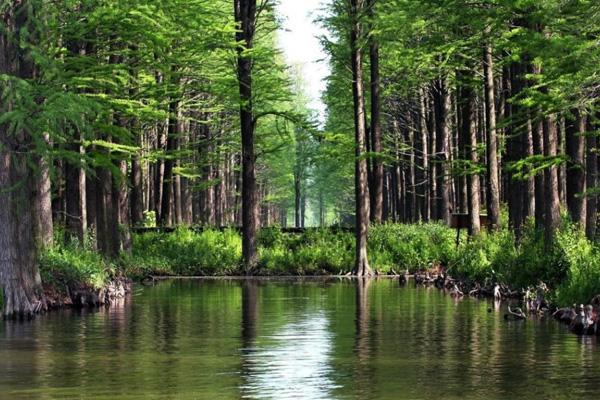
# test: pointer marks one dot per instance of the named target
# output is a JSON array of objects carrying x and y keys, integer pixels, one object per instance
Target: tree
[
  {"x": 575, "y": 149},
  {"x": 19, "y": 274},
  {"x": 361, "y": 267},
  {"x": 245, "y": 17},
  {"x": 376, "y": 188},
  {"x": 493, "y": 175}
]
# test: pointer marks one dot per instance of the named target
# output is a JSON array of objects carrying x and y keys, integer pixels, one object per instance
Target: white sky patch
[{"x": 299, "y": 40}]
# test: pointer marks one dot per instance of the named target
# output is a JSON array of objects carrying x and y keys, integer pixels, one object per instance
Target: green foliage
[
  {"x": 410, "y": 247},
  {"x": 317, "y": 251},
  {"x": 185, "y": 252},
  {"x": 581, "y": 262},
  {"x": 72, "y": 265},
  {"x": 149, "y": 219},
  {"x": 488, "y": 257},
  {"x": 570, "y": 265}
]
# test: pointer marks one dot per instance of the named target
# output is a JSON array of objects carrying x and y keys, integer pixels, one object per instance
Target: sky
[{"x": 299, "y": 41}]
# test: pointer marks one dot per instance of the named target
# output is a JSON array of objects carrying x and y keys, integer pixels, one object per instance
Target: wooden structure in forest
[{"x": 461, "y": 221}]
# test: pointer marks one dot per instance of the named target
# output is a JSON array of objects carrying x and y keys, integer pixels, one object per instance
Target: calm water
[{"x": 313, "y": 339}]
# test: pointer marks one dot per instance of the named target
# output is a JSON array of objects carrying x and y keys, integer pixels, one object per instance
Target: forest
[{"x": 123, "y": 120}]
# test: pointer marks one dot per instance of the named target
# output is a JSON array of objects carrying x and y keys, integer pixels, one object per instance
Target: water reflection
[
  {"x": 291, "y": 362},
  {"x": 290, "y": 339},
  {"x": 363, "y": 372}
]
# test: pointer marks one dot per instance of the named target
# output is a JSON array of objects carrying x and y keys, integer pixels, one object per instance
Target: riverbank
[{"x": 570, "y": 268}]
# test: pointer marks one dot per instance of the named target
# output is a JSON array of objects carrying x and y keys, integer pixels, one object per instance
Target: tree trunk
[
  {"x": 377, "y": 174},
  {"x": 361, "y": 267},
  {"x": 538, "y": 149},
  {"x": 166, "y": 216},
  {"x": 245, "y": 18},
  {"x": 575, "y": 147},
  {"x": 529, "y": 184},
  {"x": 43, "y": 201},
  {"x": 423, "y": 167},
  {"x": 121, "y": 199},
  {"x": 468, "y": 140},
  {"x": 443, "y": 120},
  {"x": 493, "y": 175},
  {"x": 552, "y": 203},
  {"x": 19, "y": 275},
  {"x": 76, "y": 218},
  {"x": 159, "y": 172},
  {"x": 592, "y": 182},
  {"x": 515, "y": 134},
  {"x": 137, "y": 198},
  {"x": 297, "y": 199}
]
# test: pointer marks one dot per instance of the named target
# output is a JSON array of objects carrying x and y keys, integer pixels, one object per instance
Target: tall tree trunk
[
  {"x": 443, "y": 124},
  {"x": 515, "y": 137},
  {"x": 423, "y": 168},
  {"x": 361, "y": 266},
  {"x": 377, "y": 174},
  {"x": 468, "y": 132},
  {"x": 592, "y": 182},
  {"x": 245, "y": 18},
  {"x": 552, "y": 203},
  {"x": 431, "y": 128},
  {"x": 76, "y": 218},
  {"x": 137, "y": 197},
  {"x": 19, "y": 276},
  {"x": 493, "y": 175},
  {"x": 136, "y": 177},
  {"x": 43, "y": 201},
  {"x": 575, "y": 147},
  {"x": 410, "y": 181},
  {"x": 159, "y": 172},
  {"x": 166, "y": 217},
  {"x": 529, "y": 183},
  {"x": 121, "y": 198},
  {"x": 538, "y": 149},
  {"x": 297, "y": 201},
  {"x": 91, "y": 210},
  {"x": 562, "y": 168}
]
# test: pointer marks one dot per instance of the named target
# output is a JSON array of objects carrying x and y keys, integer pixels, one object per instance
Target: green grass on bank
[
  {"x": 317, "y": 251},
  {"x": 571, "y": 266},
  {"x": 74, "y": 265}
]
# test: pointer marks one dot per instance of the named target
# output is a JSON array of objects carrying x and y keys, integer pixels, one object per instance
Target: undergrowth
[{"x": 570, "y": 265}]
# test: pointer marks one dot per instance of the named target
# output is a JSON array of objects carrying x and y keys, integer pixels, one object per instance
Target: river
[{"x": 293, "y": 339}]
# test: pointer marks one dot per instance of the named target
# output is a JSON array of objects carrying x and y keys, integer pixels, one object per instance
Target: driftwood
[{"x": 515, "y": 314}]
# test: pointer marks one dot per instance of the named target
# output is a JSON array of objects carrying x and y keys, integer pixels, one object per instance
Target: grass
[
  {"x": 73, "y": 265},
  {"x": 571, "y": 266},
  {"x": 184, "y": 252},
  {"x": 314, "y": 252}
]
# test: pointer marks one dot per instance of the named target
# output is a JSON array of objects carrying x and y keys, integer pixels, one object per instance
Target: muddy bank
[
  {"x": 80, "y": 295},
  {"x": 582, "y": 319}
]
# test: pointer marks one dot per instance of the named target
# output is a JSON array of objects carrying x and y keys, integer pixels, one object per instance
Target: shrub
[
  {"x": 488, "y": 257},
  {"x": 185, "y": 252},
  {"x": 316, "y": 251},
  {"x": 578, "y": 261},
  {"x": 74, "y": 265},
  {"x": 411, "y": 247}
]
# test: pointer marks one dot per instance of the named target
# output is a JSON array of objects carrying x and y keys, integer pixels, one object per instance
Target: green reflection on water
[{"x": 325, "y": 338}]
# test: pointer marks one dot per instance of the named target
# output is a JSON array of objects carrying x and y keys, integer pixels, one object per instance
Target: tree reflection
[
  {"x": 363, "y": 370},
  {"x": 249, "y": 311}
]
